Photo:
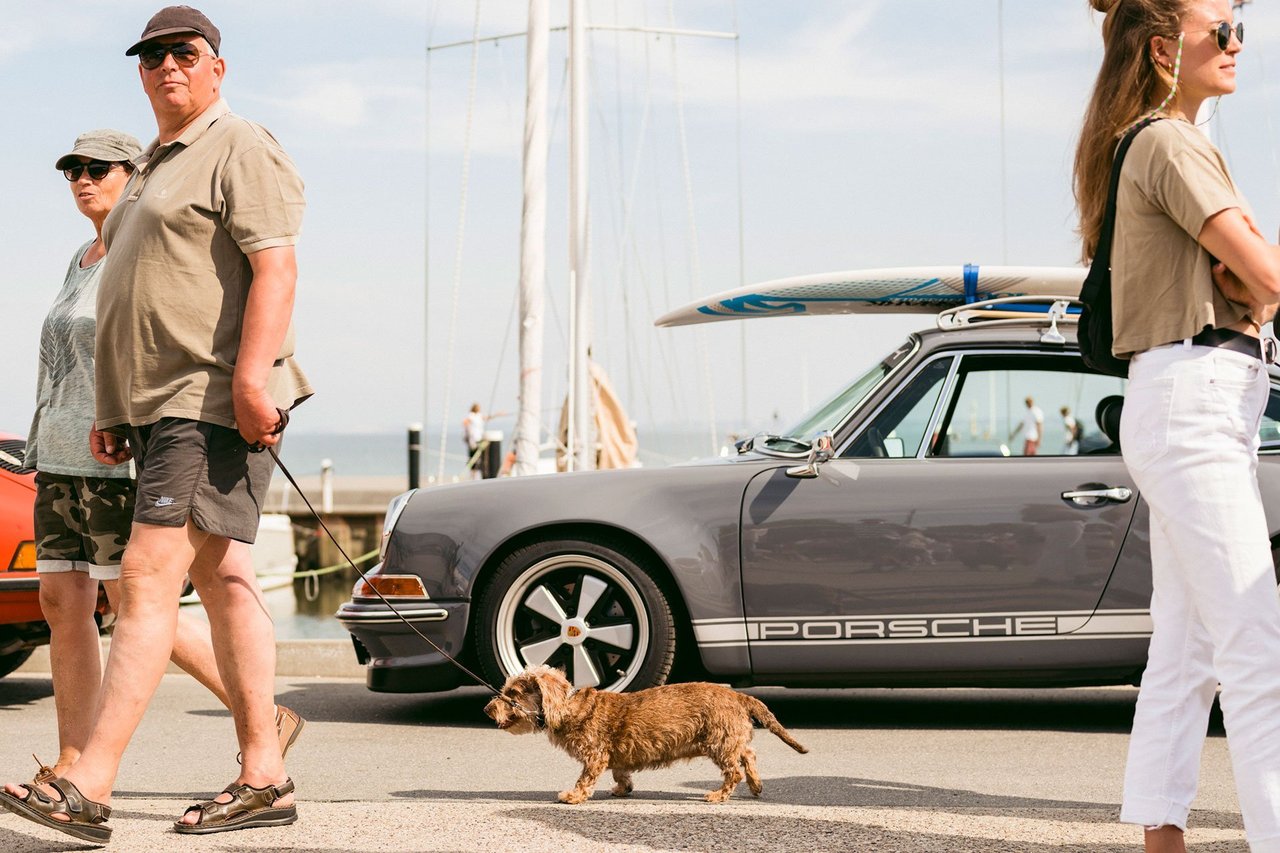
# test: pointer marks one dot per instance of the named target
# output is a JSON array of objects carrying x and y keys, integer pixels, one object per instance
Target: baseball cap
[
  {"x": 172, "y": 20},
  {"x": 109, "y": 146}
]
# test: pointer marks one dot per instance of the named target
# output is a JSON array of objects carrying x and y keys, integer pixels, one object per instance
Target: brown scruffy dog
[{"x": 625, "y": 732}]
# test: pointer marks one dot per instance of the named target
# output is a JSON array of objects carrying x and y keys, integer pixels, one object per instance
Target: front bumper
[{"x": 398, "y": 660}]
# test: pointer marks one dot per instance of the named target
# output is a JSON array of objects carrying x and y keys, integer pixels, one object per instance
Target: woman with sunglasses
[
  {"x": 1197, "y": 389},
  {"x": 84, "y": 509}
]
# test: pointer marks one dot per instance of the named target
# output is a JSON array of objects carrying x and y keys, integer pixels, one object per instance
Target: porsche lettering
[{"x": 925, "y": 627}]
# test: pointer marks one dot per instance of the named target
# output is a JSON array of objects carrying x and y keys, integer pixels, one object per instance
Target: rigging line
[
  {"x": 462, "y": 223},
  {"x": 426, "y": 251},
  {"x": 694, "y": 256},
  {"x": 1004, "y": 165},
  {"x": 612, "y": 170},
  {"x": 502, "y": 353},
  {"x": 506, "y": 93},
  {"x": 742, "y": 251},
  {"x": 426, "y": 236},
  {"x": 550, "y": 303},
  {"x": 623, "y": 285},
  {"x": 664, "y": 268},
  {"x": 630, "y": 238}
]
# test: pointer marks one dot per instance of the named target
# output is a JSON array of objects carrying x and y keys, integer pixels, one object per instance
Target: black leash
[{"x": 258, "y": 448}]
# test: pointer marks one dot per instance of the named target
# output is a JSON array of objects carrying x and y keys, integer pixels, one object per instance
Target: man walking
[
  {"x": 1032, "y": 427},
  {"x": 194, "y": 369}
]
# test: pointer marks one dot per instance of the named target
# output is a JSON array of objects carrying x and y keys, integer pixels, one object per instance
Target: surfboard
[{"x": 893, "y": 290}]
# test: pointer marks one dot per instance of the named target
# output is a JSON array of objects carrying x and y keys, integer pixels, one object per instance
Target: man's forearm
[{"x": 267, "y": 314}]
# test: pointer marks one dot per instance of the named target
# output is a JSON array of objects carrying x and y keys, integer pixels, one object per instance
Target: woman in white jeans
[{"x": 1197, "y": 389}]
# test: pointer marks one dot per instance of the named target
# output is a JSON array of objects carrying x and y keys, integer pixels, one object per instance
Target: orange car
[{"x": 22, "y": 625}]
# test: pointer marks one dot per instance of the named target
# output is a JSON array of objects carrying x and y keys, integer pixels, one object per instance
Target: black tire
[
  {"x": 625, "y": 639},
  {"x": 13, "y": 660}
]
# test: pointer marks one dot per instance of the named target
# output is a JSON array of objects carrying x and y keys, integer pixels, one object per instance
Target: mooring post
[{"x": 415, "y": 454}]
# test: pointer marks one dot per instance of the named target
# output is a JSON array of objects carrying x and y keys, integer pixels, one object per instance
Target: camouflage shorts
[{"x": 82, "y": 523}]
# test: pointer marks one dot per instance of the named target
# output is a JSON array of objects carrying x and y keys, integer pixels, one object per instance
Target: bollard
[
  {"x": 491, "y": 455},
  {"x": 326, "y": 485},
  {"x": 415, "y": 453}
]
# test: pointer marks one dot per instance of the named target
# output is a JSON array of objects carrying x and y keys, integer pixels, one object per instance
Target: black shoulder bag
[{"x": 1094, "y": 329}]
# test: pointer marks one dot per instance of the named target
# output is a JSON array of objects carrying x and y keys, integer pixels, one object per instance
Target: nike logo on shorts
[{"x": 164, "y": 501}]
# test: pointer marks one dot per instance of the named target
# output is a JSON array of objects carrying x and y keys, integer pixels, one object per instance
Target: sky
[{"x": 830, "y": 135}]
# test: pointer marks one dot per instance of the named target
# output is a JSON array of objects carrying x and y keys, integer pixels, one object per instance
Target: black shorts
[{"x": 199, "y": 470}]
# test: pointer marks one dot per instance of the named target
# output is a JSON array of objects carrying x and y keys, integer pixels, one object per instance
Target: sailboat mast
[
  {"x": 581, "y": 442},
  {"x": 533, "y": 240}
]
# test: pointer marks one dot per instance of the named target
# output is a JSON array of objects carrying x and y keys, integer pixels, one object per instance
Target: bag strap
[{"x": 1103, "y": 252}]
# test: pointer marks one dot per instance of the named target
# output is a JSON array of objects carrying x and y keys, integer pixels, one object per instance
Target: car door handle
[{"x": 1092, "y": 497}]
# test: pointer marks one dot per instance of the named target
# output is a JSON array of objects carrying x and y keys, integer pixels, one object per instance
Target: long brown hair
[{"x": 1127, "y": 87}]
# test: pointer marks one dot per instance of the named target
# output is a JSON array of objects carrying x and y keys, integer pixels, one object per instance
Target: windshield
[{"x": 832, "y": 413}]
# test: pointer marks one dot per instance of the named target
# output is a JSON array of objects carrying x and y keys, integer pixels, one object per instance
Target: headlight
[{"x": 397, "y": 505}]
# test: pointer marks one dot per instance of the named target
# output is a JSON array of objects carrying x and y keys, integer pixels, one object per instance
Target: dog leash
[{"x": 258, "y": 448}]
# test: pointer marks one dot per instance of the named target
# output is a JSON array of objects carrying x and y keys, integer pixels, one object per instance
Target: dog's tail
[{"x": 762, "y": 715}]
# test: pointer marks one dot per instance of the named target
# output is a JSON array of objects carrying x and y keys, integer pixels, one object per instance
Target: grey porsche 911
[{"x": 899, "y": 534}]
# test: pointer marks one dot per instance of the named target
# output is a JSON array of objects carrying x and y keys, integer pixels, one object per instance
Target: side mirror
[{"x": 821, "y": 450}]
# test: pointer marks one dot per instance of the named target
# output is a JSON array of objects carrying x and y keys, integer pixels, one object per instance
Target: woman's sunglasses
[
  {"x": 184, "y": 53},
  {"x": 1223, "y": 30},
  {"x": 96, "y": 168}
]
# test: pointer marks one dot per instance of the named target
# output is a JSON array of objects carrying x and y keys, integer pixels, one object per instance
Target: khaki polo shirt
[
  {"x": 1172, "y": 181},
  {"x": 176, "y": 277}
]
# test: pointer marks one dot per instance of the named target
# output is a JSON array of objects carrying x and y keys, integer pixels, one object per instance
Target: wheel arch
[{"x": 688, "y": 661}]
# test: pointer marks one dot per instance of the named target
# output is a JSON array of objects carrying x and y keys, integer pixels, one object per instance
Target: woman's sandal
[
  {"x": 86, "y": 820},
  {"x": 249, "y": 807},
  {"x": 289, "y": 725}
]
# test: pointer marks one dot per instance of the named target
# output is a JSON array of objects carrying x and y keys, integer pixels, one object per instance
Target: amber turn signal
[
  {"x": 391, "y": 585},
  {"x": 24, "y": 559}
]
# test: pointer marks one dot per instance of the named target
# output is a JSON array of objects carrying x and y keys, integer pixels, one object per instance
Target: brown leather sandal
[
  {"x": 289, "y": 725},
  {"x": 250, "y": 807},
  {"x": 86, "y": 820}
]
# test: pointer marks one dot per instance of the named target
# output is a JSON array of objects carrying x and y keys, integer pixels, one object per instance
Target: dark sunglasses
[
  {"x": 96, "y": 168},
  {"x": 1223, "y": 30},
  {"x": 184, "y": 53}
]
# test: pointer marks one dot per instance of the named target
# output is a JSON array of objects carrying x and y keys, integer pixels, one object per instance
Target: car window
[
  {"x": 832, "y": 412},
  {"x": 898, "y": 429},
  {"x": 1026, "y": 405},
  {"x": 1269, "y": 431}
]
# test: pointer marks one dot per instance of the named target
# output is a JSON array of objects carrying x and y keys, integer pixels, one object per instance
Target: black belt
[{"x": 1237, "y": 341}]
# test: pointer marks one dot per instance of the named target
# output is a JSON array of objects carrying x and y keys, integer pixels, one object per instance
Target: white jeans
[{"x": 1189, "y": 436}]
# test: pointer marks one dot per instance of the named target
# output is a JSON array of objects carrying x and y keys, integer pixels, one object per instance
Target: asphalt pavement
[{"x": 888, "y": 770}]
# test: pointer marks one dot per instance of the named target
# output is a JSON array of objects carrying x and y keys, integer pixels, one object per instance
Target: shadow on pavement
[
  {"x": 730, "y": 828},
  {"x": 1072, "y": 709},
  {"x": 836, "y": 791},
  {"x": 17, "y": 692},
  {"x": 1069, "y": 710},
  {"x": 17, "y": 841}
]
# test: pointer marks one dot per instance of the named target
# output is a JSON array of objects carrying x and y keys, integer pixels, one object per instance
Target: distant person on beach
[
  {"x": 194, "y": 309},
  {"x": 1032, "y": 428},
  {"x": 473, "y": 429},
  {"x": 472, "y": 435},
  {"x": 84, "y": 509}
]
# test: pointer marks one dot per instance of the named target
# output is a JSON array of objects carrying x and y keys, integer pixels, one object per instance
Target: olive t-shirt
[
  {"x": 1172, "y": 181},
  {"x": 176, "y": 276}
]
